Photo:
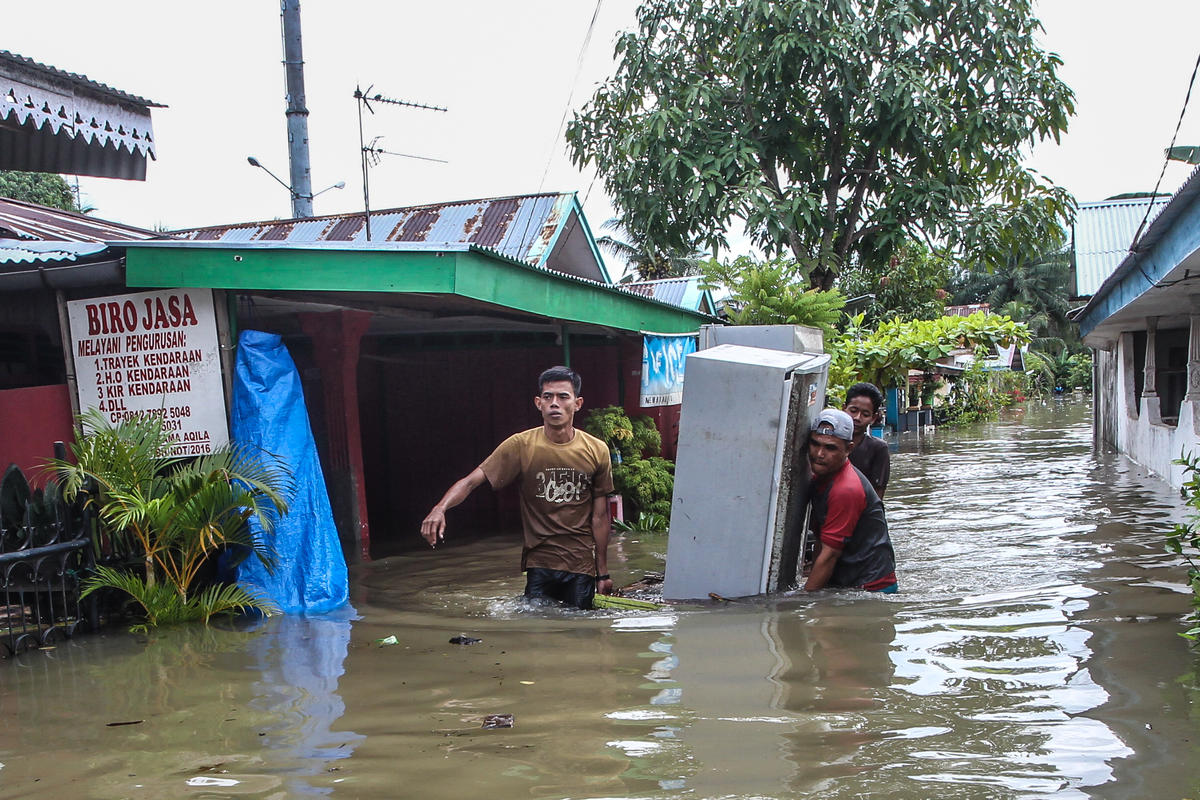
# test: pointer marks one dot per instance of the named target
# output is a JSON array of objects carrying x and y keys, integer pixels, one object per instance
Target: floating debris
[
  {"x": 462, "y": 638},
  {"x": 387, "y": 640},
  {"x": 203, "y": 781},
  {"x": 498, "y": 721},
  {"x": 119, "y": 724},
  {"x": 624, "y": 603}
]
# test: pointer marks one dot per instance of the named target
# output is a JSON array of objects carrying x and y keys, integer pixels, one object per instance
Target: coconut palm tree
[
  {"x": 1038, "y": 285},
  {"x": 177, "y": 512},
  {"x": 644, "y": 261}
]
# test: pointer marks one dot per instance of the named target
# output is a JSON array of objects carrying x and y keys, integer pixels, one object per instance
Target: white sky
[{"x": 505, "y": 70}]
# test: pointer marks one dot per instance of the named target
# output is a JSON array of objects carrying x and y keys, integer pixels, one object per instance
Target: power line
[
  {"x": 571, "y": 95},
  {"x": 1166, "y": 160}
]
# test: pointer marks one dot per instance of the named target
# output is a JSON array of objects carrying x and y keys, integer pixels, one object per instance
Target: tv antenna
[{"x": 371, "y": 153}]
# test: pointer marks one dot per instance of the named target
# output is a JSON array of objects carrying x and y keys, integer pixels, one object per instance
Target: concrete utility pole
[{"x": 297, "y": 111}]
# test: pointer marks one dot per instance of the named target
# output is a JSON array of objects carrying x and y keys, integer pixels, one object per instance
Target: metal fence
[{"x": 45, "y": 547}]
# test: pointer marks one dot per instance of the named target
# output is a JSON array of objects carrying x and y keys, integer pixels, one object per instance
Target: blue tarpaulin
[{"x": 269, "y": 413}]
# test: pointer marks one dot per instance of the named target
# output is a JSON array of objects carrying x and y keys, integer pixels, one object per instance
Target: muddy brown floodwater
[{"x": 1031, "y": 652}]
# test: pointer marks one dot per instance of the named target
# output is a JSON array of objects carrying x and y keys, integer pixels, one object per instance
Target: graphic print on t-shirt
[{"x": 563, "y": 485}]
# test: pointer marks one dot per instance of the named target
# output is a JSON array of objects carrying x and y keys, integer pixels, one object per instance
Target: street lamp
[{"x": 254, "y": 162}]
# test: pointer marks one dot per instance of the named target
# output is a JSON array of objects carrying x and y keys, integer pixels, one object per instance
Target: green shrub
[
  {"x": 645, "y": 523},
  {"x": 1184, "y": 541},
  {"x": 176, "y": 512},
  {"x": 640, "y": 474}
]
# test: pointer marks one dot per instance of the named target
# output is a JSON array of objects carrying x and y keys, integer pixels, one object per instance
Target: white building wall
[{"x": 1140, "y": 432}]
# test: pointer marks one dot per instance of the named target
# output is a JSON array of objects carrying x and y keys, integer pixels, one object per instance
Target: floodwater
[{"x": 1031, "y": 652}]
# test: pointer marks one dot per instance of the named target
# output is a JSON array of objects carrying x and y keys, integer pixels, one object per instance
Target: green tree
[
  {"x": 1034, "y": 288},
  {"x": 831, "y": 129},
  {"x": 640, "y": 474},
  {"x": 42, "y": 188},
  {"x": 772, "y": 293},
  {"x": 1184, "y": 541},
  {"x": 885, "y": 355},
  {"x": 911, "y": 285}
]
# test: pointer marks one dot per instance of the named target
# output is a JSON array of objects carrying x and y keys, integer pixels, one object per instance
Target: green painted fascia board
[
  {"x": 524, "y": 288},
  {"x": 277, "y": 269},
  {"x": 477, "y": 274}
]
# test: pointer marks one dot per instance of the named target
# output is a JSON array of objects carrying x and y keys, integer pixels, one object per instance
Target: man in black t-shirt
[{"x": 864, "y": 404}]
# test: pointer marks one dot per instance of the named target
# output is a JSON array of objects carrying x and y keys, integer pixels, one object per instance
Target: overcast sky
[{"x": 506, "y": 71}]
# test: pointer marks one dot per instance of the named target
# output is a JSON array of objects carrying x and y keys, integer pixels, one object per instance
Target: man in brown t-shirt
[{"x": 565, "y": 478}]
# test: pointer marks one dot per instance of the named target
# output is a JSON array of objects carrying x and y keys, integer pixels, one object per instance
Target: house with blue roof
[{"x": 1143, "y": 325}]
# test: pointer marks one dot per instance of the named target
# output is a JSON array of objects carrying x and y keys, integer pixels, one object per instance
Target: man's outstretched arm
[{"x": 433, "y": 528}]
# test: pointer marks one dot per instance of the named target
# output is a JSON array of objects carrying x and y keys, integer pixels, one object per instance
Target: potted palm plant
[{"x": 176, "y": 512}]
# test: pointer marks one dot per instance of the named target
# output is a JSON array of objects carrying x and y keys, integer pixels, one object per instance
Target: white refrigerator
[{"x": 741, "y": 472}]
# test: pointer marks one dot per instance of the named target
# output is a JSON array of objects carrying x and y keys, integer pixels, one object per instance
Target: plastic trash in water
[
  {"x": 202, "y": 780},
  {"x": 492, "y": 721},
  {"x": 387, "y": 640},
  {"x": 462, "y": 638}
]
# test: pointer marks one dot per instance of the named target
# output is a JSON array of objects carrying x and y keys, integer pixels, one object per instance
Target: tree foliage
[
  {"x": 772, "y": 293},
  {"x": 1033, "y": 287},
  {"x": 910, "y": 286},
  {"x": 43, "y": 188},
  {"x": 643, "y": 477},
  {"x": 884, "y": 356},
  {"x": 1184, "y": 541},
  {"x": 832, "y": 129}
]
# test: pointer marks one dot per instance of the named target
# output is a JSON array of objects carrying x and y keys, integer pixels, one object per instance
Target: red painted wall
[
  {"x": 32, "y": 420},
  {"x": 431, "y": 416}
]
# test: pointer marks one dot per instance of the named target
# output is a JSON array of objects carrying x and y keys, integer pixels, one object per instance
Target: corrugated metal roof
[
  {"x": 1102, "y": 234},
  {"x": 373, "y": 246},
  {"x": 520, "y": 226},
  {"x": 33, "y": 222},
  {"x": 1159, "y": 226},
  {"x": 81, "y": 80},
  {"x": 684, "y": 292},
  {"x": 13, "y": 251}
]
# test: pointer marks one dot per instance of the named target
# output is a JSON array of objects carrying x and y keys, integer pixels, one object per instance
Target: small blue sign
[{"x": 662, "y": 368}]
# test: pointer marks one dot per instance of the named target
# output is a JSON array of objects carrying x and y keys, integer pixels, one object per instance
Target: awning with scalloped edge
[{"x": 56, "y": 121}]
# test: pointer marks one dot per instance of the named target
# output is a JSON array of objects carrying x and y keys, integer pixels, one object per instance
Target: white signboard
[{"x": 153, "y": 354}]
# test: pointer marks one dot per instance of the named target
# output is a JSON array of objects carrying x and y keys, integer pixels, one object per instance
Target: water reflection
[
  {"x": 300, "y": 662},
  {"x": 990, "y": 676},
  {"x": 1031, "y": 653},
  {"x": 173, "y": 714}
]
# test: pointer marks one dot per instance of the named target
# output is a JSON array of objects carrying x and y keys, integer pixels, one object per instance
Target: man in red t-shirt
[{"x": 855, "y": 549}]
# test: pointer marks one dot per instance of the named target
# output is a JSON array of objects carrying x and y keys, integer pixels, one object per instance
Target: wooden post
[{"x": 336, "y": 337}]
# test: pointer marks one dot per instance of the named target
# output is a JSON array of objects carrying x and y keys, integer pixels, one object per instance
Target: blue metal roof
[
  {"x": 1140, "y": 282},
  {"x": 684, "y": 292},
  {"x": 14, "y": 251},
  {"x": 1102, "y": 235}
]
